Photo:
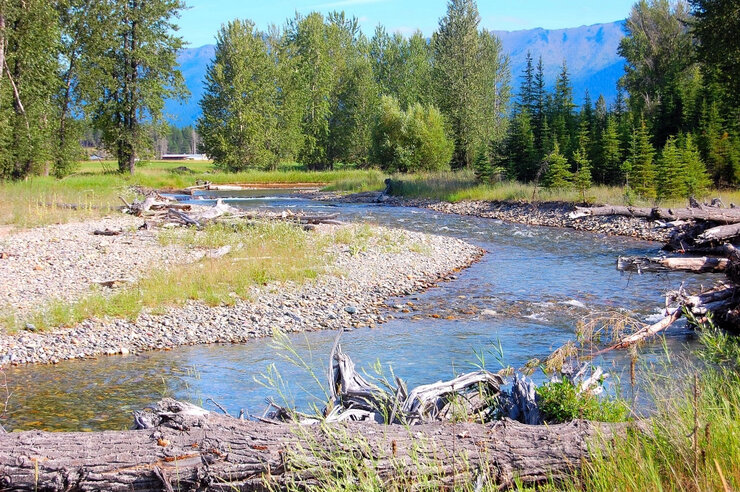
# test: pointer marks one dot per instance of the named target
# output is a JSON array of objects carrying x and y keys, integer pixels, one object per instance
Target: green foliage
[
  {"x": 561, "y": 402},
  {"x": 410, "y": 141},
  {"x": 558, "y": 175},
  {"x": 239, "y": 121},
  {"x": 639, "y": 166},
  {"x": 671, "y": 172},
  {"x": 697, "y": 179},
  {"x": 466, "y": 62},
  {"x": 520, "y": 147},
  {"x": 582, "y": 178},
  {"x": 133, "y": 68},
  {"x": 28, "y": 85},
  {"x": 483, "y": 167},
  {"x": 716, "y": 25}
]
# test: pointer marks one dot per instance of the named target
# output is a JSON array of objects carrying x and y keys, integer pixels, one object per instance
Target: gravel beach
[
  {"x": 62, "y": 261},
  {"x": 549, "y": 214}
]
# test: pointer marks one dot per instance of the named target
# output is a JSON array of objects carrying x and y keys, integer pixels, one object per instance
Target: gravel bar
[{"x": 351, "y": 295}]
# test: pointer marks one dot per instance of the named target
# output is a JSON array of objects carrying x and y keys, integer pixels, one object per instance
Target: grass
[
  {"x": 261, "y": 253},
  {"x": 95, "y": 187},
  {"x": 461, "y": 185}
]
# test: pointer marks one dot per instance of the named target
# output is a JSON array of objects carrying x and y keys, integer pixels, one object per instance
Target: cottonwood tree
[
  {"x": 463, "y": 61},
  {"x": 29, "y": 48},
  {"x": 133, "y": 70},
  {"x": 239, "y": 121}
]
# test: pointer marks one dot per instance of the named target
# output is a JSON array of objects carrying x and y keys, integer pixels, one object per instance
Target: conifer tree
[
  {"x": 483, "y": 167},
  {"x": 697, "y": 178},
  {"x": 522, "y": 162},
  {"x": 558, "y": 175},
  {"x": 608, "y": 170},
  {"x": 582, "y": 178},
  {"x": 639, "y": 166},
  {"x": 671, "y": 172}
]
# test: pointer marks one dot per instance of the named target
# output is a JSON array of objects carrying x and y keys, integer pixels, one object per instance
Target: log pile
[{"x": 168, "y": 212}]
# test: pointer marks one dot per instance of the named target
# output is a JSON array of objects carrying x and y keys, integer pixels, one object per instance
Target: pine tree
[
  {"x": 639, "y": 166},
  {"x": 582, "y": 178},
  {"x": 483, "y": 167},
  {"x": 527, "y": 98},
  {"x": 697, "y": 178},
  {"x": 608, "y": 170},
  {"x": 240, "y": 102},
  {"x": 558, "y": 175},
  {"x": 522, "y": 163},
  {"x": 671, "y": 172}
]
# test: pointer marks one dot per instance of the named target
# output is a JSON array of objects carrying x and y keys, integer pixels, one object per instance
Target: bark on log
[
  {"x": 718, "y": 234},
  {"x": 642, "y": 264},
  {"x": 208, "y": 451},
  {"x": 721, "y": 215}
]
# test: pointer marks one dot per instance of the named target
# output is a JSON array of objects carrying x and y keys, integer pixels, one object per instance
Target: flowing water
[{"x": 521, "y": 301}]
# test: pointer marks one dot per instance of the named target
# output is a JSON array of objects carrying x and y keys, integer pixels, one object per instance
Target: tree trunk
[
  {"x": 718, "y": 234},
  {"x": 642, "y": 264},
  {"x": 721, "y": 215},
  {"x": 191, "y": 449}
]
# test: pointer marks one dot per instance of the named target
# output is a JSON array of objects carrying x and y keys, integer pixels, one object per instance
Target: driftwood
[
  {"x": 718, "y": 299},
  {"x": 642, "y": 264},
  {"x": 182, "y": 447},
  {"x": 721, "y": 215},
  {"x": 718, "y": 234}
]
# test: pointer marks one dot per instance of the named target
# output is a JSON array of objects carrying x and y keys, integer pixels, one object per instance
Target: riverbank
[
  {"x": 548, "y": 214},
  {"x": 64, "y": 260}
]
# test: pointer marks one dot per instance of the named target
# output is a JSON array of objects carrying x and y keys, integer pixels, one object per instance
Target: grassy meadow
[{"x": 96, "y": 187}]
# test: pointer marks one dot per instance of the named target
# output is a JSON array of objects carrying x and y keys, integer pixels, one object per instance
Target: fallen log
[
  {"x": 183, "y": 447},
  {"x": 642, "y": 264},
  {"x": 108, "y": 232},
  {"x": 718, "y": 234},
  {"x": 721, "y": 215}
]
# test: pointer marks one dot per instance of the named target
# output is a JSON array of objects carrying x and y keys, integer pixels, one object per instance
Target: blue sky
[{"x": 204, "y": 17}]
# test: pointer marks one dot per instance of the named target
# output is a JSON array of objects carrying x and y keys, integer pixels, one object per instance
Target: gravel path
[{"x": 351, "y": 296}]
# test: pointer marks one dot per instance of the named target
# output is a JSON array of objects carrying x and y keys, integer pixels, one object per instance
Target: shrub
[
  {"x": 412, "y": 140},
  {"x": 560, "y": 402}
]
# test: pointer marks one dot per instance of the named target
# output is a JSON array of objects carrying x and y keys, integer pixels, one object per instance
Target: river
[{"x": 521, "y": 301}]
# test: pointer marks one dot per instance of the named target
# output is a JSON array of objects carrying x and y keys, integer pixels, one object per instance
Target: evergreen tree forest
[{"x": 320, "y": 92}]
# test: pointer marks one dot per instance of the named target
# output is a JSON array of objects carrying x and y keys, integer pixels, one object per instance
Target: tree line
[
  {"x": 318, "y": 91},
  {"x": 676, "y": 134}
]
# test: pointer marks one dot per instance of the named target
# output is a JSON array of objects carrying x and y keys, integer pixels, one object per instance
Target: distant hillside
[{"x": 590, "y": 51}]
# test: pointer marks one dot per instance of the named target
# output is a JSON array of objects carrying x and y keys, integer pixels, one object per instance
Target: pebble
[{"x": 352, "y": 295}]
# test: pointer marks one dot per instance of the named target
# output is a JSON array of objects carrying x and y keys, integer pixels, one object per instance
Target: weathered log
[
  {"x": 199, "y": 450},
  {"x": 719, "y": 234},
  {"x": 718, "y": 298},
  {"x": 642, "y": 264},
  {"x": 721, "y": 215}
]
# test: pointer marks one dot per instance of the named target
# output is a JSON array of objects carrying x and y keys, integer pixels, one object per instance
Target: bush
[
  {"x": 410, "y": 141},
  {"x": 560, "y": 402}
]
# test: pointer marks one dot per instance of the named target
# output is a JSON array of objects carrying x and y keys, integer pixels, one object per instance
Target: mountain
[{"x": 590, "y": 52}]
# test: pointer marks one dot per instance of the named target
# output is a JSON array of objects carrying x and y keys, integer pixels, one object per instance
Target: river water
[{"x": 521, "y": 301}]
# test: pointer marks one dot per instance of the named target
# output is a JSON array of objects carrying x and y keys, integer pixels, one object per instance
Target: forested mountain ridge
[{"x": 590, "y": 52}]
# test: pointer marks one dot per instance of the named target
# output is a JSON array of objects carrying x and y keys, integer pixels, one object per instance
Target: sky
[{"x": 200, "y": 22}]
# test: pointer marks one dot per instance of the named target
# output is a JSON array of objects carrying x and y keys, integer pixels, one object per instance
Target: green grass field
[{"x": 95, "y": 187}]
